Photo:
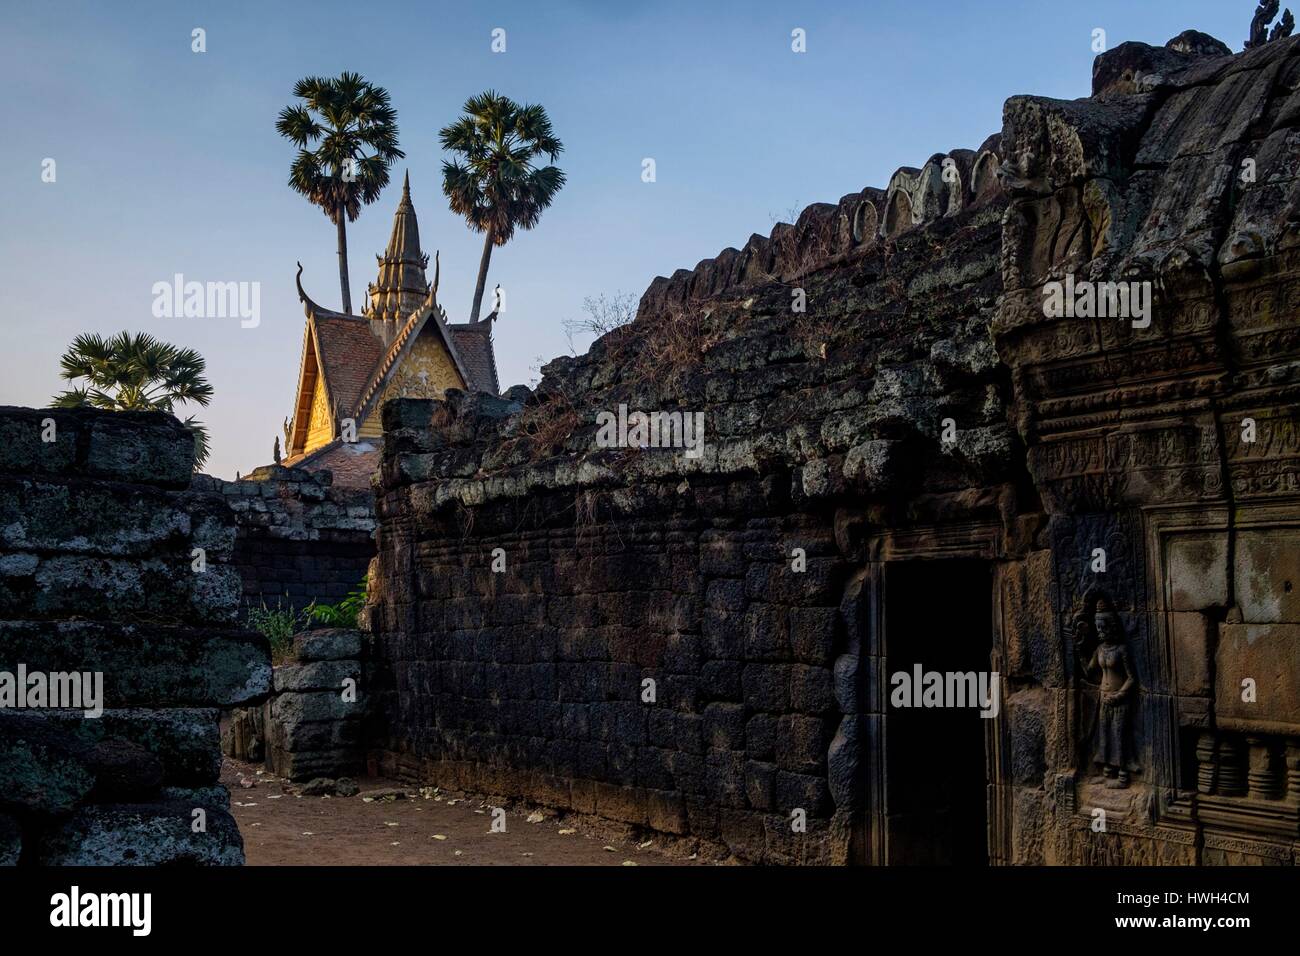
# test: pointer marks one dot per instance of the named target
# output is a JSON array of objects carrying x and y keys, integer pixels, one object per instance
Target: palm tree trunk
[
  {"x": 343, "y": 262},
  {"x": 482, "y": 276}
]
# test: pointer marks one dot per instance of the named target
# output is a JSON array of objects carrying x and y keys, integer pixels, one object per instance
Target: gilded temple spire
[{"x": 402, "y": 285}]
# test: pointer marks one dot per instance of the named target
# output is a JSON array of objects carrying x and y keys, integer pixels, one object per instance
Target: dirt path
[{"x": 428, "y": 828}]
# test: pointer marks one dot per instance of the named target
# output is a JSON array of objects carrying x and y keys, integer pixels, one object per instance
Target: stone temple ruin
[
  {"x": 111, "y": 566},
  {"x": 1031, "y": 411},
  {"x": 1103, "y": 509}
]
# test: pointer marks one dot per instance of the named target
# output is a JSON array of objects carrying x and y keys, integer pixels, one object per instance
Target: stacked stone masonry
[
  {"x": 300, "y": 538},
  {"x": 313, "y": 724},
  {"x": 704, "y": 645},
  {"x": 111, "y": 566}
]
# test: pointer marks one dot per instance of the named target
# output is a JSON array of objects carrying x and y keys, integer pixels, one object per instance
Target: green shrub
[
  {"x": 343, "y": 614},
  {"x": 278, "y": 624}
]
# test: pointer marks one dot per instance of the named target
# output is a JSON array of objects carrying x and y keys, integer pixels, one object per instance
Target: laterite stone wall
[{"x": 111, "y": 565}]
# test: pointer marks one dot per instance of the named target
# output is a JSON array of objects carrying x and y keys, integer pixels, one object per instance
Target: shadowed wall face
[
  {"x": 300, "y": 539},
  {"x": 1129, "y": 479},
  {"x": 117, "y": 573}
]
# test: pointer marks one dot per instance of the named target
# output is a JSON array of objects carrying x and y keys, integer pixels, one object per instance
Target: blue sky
[{"x": 168, "y": 160}]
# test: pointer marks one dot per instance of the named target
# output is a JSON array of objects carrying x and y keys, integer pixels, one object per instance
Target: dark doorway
[{"x": 938, "y": 614}]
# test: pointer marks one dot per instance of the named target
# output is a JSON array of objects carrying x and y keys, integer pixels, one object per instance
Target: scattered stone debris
[{"x": 319, "y": 787}]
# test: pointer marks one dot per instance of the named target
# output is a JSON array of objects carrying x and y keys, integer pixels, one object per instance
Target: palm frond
[
  {"x": 134, "y": 372},
  {"x": 201, "y": 446},
  {"x": 70, "y": 398},
  {"x": 493, "y": 183},
  {"x": 341, "y": 121}
]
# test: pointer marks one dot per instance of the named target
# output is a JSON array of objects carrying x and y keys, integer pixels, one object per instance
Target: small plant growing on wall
[
  {"x": 278, "y": 625},
  {"x": 343, "y": 614}
]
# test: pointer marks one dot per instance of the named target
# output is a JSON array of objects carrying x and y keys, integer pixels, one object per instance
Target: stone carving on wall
[{"x": 1104, "y": 659}]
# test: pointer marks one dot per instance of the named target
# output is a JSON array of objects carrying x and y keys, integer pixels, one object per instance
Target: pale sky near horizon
[{"x": 168, "y": 161}]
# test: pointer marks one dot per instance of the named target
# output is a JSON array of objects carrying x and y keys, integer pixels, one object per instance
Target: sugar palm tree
[
  {"x": 136, "y": 373},
  {"x": 494, "y": 183},
  {"x": 346, "y": 133}
]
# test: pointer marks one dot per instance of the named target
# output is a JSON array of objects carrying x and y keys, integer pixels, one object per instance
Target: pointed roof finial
[{"x": 401, "y": 285}]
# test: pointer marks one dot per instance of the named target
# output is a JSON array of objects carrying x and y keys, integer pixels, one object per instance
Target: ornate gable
[{"x": 402, "y": 345}]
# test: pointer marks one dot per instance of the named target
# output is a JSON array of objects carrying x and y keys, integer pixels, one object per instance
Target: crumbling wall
[
  {"x": 111, "y": 568},
  {"x": 703, "y": 644},
  {"x": 669, "y": 640},
  {"x": 312, "y": 725},
  {"x": 300, "y": 538}
]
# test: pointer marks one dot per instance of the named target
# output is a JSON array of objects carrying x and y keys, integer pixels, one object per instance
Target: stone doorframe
[{"x": 977, "y": 540}]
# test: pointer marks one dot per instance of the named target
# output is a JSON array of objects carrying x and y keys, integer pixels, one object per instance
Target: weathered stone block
[
  {"x": 303, "y": 737},
  {"x": 742, "y": 832},
  {"x": 811, "y": 689},
  {"x": 91, "y": 518},
  {"x": 1190, "y": 638},
  {"x": 690, "y": 733},
  {"x": 723, "y": 634},
  {"x": 800, "y": 743},
  {"x": 721, "y": 554},
  {"x": 146, "y": 665},
  {"x": 1268, "y": 576},
  {"x": 621, "y": 803},
  {"x": 846, "y": 678},
  {"x": 725, "y": 778},
  {"x": 872, "y": 465},
  {"x": 1029, "y": 620},
  {"x": 1197, "y": 570},
  {"x": 1265, "y": 654},
  {"x": 152, "y": 834},
  {"x": 661, "y": 728},
  {"x": 45, "y": 768},
  {"x": 1029, "y": 821},
  {"x": 801, "y": 791},
  {"x": 766, "y": 634},
  {"x": 720, "y": 680},
  {"x": 725, "y": 594},
  {"x": 781, "y": 584},
  {"x": 317, "y": 675},
  {"x": 323, "y": 705},
  {"x": 666, "y": 812},
  {"x": 724, "y": 726},
  {"x": 812, "y": 634},
  {"x": 767, "y": 686},
  {"x": 310, "y": 764},
  {"x": 653, "y": 766},
  {"x": 760, "y": 779},
  {"x": 149, "y": 448},
  {"x": 213, "y": 796},
  {"x": 117, "y": 589},
  {"x": 582, "y": 796},
  {"x": 124, "y": 771},
  {"x": 1027, "y": 711}
]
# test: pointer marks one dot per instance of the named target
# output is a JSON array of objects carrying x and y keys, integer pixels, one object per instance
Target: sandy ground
[{"x": 429, "y": 828}]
